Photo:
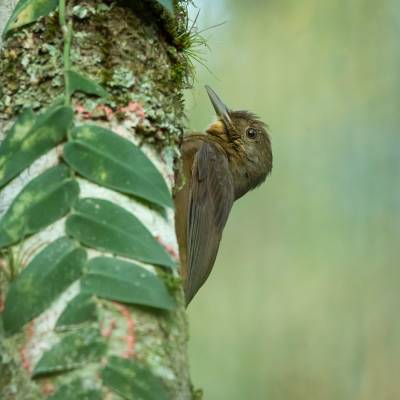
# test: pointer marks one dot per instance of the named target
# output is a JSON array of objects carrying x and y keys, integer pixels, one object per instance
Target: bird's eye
[{"x": 251, "y": 133}]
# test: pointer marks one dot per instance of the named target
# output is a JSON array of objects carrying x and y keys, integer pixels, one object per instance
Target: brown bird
[{"x": 218, "y": 167}]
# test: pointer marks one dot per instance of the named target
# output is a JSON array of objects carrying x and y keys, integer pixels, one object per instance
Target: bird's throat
[{"x": 217, "y": 129}]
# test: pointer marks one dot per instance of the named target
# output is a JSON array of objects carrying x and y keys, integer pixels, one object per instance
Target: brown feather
[{"x": 209, "y": 195}]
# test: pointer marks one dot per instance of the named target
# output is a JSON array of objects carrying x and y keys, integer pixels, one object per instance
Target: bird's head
[{"x": 246, "y": 136}]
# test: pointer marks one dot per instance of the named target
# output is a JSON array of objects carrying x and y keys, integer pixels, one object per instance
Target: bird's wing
[{"x": 210, "y": 201}]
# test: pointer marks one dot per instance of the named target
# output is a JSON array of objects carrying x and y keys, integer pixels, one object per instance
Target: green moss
[
  {"x": 127, "y": 52},
  {"x": 173, "y": 283},
  {"x": 156, "y": 344},
  {"x": 30, "y": 64},
  {"x": 15, "y": 383}
]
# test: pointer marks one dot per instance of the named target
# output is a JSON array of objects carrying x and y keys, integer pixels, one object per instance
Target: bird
[{"x": 217, "y": 167}]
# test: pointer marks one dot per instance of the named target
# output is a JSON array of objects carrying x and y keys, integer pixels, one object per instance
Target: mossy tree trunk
[{"x": 60, "y": 340}]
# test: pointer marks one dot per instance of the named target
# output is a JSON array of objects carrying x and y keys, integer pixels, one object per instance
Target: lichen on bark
[
  {"x": 132, "y": 52},
  {"x": 129, "y": 53}
]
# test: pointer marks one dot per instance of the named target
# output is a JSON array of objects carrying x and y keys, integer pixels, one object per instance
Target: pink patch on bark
[
  {"x": 130, "y": 338},
  {"x": 134, "y": 107},
  {"x": 169, "y": 248},
  {"x": 22, "y": 351},
  {"x": 82, "y": 112}
]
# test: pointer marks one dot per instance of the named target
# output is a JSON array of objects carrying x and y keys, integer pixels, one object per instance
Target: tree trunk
[{"x": 107, "y": 347}]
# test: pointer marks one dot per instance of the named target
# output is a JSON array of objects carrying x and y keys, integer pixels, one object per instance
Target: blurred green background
[{"x": 304, "y": 298}]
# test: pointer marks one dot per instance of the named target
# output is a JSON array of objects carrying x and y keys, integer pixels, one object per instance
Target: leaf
[
  {"x": 168, "y": 4},
  {"x": 112, "y": 161},
  {"x": 54, "y": 269},
  {"x": 27, "y": 11},
  {"x": 78, "y": 390},
  {"x": 41, "y": 202},
  {"x": 126, "y": 282},
  {"x": 105, "y": 226},
  {"x": 81, "y": 309},
  {"x": 20, "y": 129},
  {"x": 80, "y": 83},
  {"x": 74, "y": 350},
  {"x": 131, "y": 380},
  {"x": 31, "y": 137}
]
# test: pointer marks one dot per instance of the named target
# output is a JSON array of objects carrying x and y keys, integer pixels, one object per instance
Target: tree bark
[{"x": 129, "y": 48}]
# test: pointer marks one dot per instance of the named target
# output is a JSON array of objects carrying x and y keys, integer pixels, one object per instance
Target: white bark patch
[
  {"x": 43, "y": 336},
  {"x": 35, "y": 243},
  {"x": 12, "y": 189},
  {"x": 161, "y": 228},
  {"x": 6, "y": 9}
]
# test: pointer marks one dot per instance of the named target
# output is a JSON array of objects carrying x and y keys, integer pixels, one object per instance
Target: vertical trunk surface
[{"x": 130, "y": 49}]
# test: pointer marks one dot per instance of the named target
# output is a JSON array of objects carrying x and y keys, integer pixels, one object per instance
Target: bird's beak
[{"x": 220, "y": 108}]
